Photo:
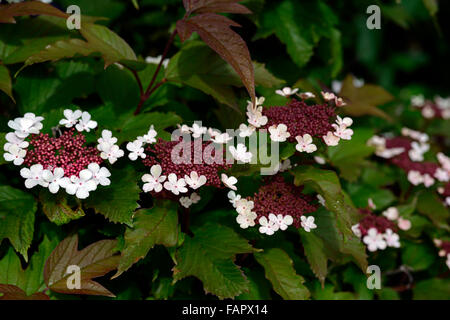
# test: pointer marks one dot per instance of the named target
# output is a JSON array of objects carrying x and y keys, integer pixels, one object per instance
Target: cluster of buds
[
  {"x": 58, "y": 162},
  {"x": 407, "y": 152},
  {"x": 444, "y": 249},
  {"x": 439, "y": 108},
  {"x": 277, "y": 205},
  {"x": 379, "y": 232}
]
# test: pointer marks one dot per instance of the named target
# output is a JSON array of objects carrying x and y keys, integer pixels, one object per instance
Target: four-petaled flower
[
  {"x": 85, "y": 123},
  {"x": 240, "y": 153},
  {"x": 392, "y": 239},
  {"x": 374, "y": 240},
  {"x": 33, "y": 176},
  {"x": 306, "y": 95},
  {"x": 246, "y": 220},
  {"x": 27, "y": 125},
  {"x": 305, "y": 144},
  {"x": 150, "y": 137},
  {"x": 330, "y": 139},
  {"x": 279, "y": 133},
  {"x": 175, "y": 185},
  {"x": 107, "y": 138},
  {"x": 15, "y": 154},
  {"x": 197, "y": 130},
  {"x": 267, "y": 226},
  {"x": 154, "y": 180},
  {"x": 286, "y": 92},
  {"x": 391, "y": 213},
  {"x": 71, "y": 118},
  {"x": 328, "y": 96},
  {"x": 246, "y": 131},
  {"x": 55, "y": 179},
  {"x": 100, "y": 175},
  {"x": 14, "y": 140},
  {"x": 233, "y": 197},
  {"x": 221, "y": 138},
  {"x": 136, "y": 150},
  {"x": 82, "y": 185},
  {"x": 194, "y": 180},
  {"x": 282, "y": 221},
  {"x": 229, "y": 182}
]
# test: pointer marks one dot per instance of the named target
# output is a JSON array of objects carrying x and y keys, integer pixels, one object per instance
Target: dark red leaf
[
  {"x": 215, "y": 31},
  {"x": 11, "y": 292},
  {"x": 214, "y": 6},
  {"x": 9, "y": 11}
]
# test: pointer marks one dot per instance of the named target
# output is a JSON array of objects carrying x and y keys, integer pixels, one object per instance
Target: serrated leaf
[
  {"x": 11, "y": 292},
  {"x": 315, "y": 253},
  {"x": 118, "y": 201},
  {"x": 429, "y": 205},
  {"x": 281, "y": 273},
  {"x": 216, "y": 33},
  {"x": 5, "y": 81},
  {"x": 57, "y": 209},
  {"x": 9, "y": 11},
  {"x": 158, "y": 225},
  {"x": 209, "y": 256},
  {"x": 112, "y": 47},
  {"x": 223, "y": 6},
  {"x": 94, "y": 261},
  {"x": 364, "y": 100},
  {"x": 17, "y": 210}
]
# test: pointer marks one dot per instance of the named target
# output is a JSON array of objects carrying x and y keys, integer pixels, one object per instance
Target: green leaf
[
  {"x": 418, "y": 256},
  {"x": 360, "y": 194},
  {"x": 112, "y": 47},
  {"x": 432, "y": 289},
  {"x": 5, "y": 81},
  {"x": 315, "y": 253},
  {"x": 17, "y": 210},
  {"x": 281, "y": 273},
  {"x": 94, "y": 261},
  {"x": 432, "y": 207},
  {"x": 118, "y": 201},
  {"x": 57, "y": 209},
  {"x": 206, "y": 257},
  {"x": 158, "y": 225}
]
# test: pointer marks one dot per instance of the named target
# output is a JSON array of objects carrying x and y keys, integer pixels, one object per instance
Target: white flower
[
  {"x": 246, "y": 131},
  {"x": 86, "y": 124},
  {"x": 233, "y": 197},
  {"x": 282, "y": 221},
  {"x": 418, "y": 100},
  {"x": 110, "y": 152},
  {"x": 392, "y": 239},
  {"x": 136, "y": 150},
  {"x": 14, "y": 140},
  {"x": 404, "y": 224},
  {"x": 184, "y": 128},
  {"x": 415, "y": 177},
  {"x": 391, "y": 213},
  {"x": 339, "y": 102},
  {"x": 347, "y": 122},
  {"x": 428, "y": 180},
  {"x": 448, "y": 261},
  {"x": 213, "y": 132},
  {"x": 444, "y": 161},
  {"x": 222, "y": 138},
  {"x": 371, "y": 204},
  {"x": 153, "y": 181},
  {"x": 150, "y": 137},
  {"x": 107, "y": 138},
  {"x": 71, "y": 118},
  {"x": 229, "y": 182},
  {"x": 285, "y": 165},
  {"x": 195, "y": 198},
  {"x": 244, "y": 206},
  {"x": 267, "y": 226},
  {"x": 259, "y": 102},
  {"x": 55, "y": 179},
  {"x": 15, "y": 154},
  {"x": 330, "y": 139},
  {"x": 341, "y": 128},
  {"x": 356, "y": 230},
  {"x": 255, "y": 116},
  {"x": 442, "y": 103},
  {"x": 417, "y": 151},
  {"x": 306, "y": 95},
  {"x": 305, "y": 144},
  {"x": 194, "y": 180},
  {"x": 99, "y": 175},
  {"x": 157, "y": 60},
  {"x": 246, "y": 220},
  {"x": 185, "y": 202},
  {"x": 82, "y": 185},
  {"x": 447, "y": 201},
  {"x": 27, "y": 125},
  {"x": 321, "y": 200},
  {"x": 286, "y": 92},
  {"x": 33, "y": 176},
  {"x": 279, "y": 133},
  {"x": 374, "y": 240},
  {"x": 198, "y": 131},
  {"x": 416, "y": 135},
  {"x": 336, "y": 86},
  {"x": 307, "y": 223},
  {"x": 442, "y": 175},
  {"x": 389, "y": 153},
  {"x": 328, "y": 96},
  {"x": 240, "y": 153},
  {"x": 175, "y": 185},
  {"x": 428, "y": 112}
]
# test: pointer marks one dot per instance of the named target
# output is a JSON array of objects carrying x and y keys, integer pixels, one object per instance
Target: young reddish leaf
[
  {"x": 224, "y": 6},
  {"x": 94, "y": 261},
  {"x": 9, "y": 11},
  {"x": 11, "y": 292},
  {"x": 215, "y": 31}
]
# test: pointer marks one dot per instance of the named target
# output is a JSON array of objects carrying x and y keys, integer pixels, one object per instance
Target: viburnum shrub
[{"x": 235, "y": 161}]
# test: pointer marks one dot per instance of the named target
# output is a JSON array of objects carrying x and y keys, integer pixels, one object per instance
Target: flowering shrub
[{"x": 228, "y": 163}]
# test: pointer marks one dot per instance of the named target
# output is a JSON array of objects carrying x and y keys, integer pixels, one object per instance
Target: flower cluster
[
  {"x": 192, "y": 169},
  {"x": 444, "y": 251},
  {"x": 378, "y": 232},
  {"x": 300, "y": 122},
  {"x": 407, "y": 152},
  {"x": 275, "y": 206},
  {"x": 63, "y": 161},
  {"x": 438, "y": 108}
]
